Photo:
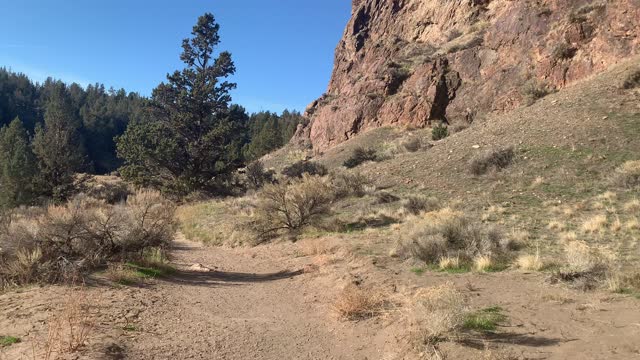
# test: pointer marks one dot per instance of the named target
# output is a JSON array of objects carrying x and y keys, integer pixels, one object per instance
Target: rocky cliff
[{"x": 413, "y": 62}]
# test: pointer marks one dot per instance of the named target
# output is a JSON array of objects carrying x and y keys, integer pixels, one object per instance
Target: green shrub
[
  {"x": 298, "y": 169},
  {"x": 439, "y": 132},
  {"x": 360, "y": 156},
  {"x": 493, "y": 159}
]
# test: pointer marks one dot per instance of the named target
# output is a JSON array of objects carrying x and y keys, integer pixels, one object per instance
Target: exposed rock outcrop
[{"x": 410, "y": 62}]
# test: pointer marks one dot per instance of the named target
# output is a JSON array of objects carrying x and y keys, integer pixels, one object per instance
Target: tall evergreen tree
[
  {"x": 17, "y": 166},
  {"x": 185, "y": 141},
  {"x": 58, "y": 146}
]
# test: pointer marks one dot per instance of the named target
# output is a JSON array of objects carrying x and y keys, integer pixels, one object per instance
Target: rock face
[{"x": 412, "y": 62}]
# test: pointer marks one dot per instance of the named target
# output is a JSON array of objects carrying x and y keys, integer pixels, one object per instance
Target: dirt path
[{"x": 252, "y": 305}]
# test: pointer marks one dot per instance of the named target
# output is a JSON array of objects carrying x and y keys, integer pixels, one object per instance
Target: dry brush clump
[
  {"x": 288, "y": 207},
  {"x": 438, "y": 313},
  {"x": 627, "y": 175},
  {"x": 448, "y": 233},
  {"x": 63, "y": 241},
  {"x": 496, "y": 159},
  {"x": 355, "y": 303}
]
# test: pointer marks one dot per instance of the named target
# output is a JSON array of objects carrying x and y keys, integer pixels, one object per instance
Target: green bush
[{"x": 439, "y": 132}]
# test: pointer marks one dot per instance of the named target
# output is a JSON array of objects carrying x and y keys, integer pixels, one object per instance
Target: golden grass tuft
[
  {"x": 482, "y": 263},
  {"x": 616, "y": 225},
  {"x": 556, "y": 225},
  {"x": 530, "y": 262},
  {"x": 632, "y": 206},
  {"x": 447, "y": 263},
  {"x": 595, "y": 224},
  {"x": 568, "y": 236},
  {"x": 632, "y": 224},
  {"x": 354, "y": 303}
]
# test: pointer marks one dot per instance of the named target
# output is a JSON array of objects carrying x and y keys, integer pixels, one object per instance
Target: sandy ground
[{"x": 272, "y": 302}]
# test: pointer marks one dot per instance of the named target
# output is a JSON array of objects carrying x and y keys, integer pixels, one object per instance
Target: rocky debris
[{"x": 412, "y": 62}]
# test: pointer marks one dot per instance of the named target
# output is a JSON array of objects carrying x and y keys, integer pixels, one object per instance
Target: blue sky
[{"x": 283, "y": 49}]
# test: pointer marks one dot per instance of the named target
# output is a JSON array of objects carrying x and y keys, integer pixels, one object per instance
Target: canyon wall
[{"x": 413, "y": 62}]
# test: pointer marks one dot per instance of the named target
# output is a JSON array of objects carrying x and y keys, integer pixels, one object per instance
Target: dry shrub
[
  {"x": 449, "y": 233},
  {"x": 70, "y": 328},
  {"x": 111, "y": 192},
  {"x": 355, "y": 303},
  {"x": 64, "y": 241},
  {"x": 359, "y": 156},
  {"x": 627, "y": 175},
  {"x": 632, "y": 81},
  {"x": 412, "y": 145},
  {"x": 257, "y": 176},
  {"x": 632, "y": 224},
  {"x": 121, "y": 274},
  {"x": 292, "y": 206},
  {"x": 347, "y": 183},
  {"x": 304, "y": 167},
  {"x": 438, "y": 312},
  {"x": 586, "y": 266},
  {"x": 418, "y": 204},
  {"x": 497, "y": 159}
]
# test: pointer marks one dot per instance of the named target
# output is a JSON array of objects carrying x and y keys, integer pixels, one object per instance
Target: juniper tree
[{"x": 184, "y": 142}]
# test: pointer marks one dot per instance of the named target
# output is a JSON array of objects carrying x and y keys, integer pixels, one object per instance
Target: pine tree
[
  {"x": 17, "y": 166},
  {"x": 184, "y": 142},
  {"x": 58, "y": 146}
]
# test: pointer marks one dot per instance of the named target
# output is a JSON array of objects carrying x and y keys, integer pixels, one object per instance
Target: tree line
[{"x": 186, "y": 137}]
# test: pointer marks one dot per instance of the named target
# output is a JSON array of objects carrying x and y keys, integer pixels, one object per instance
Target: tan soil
[{"x": 259, "y": 303}]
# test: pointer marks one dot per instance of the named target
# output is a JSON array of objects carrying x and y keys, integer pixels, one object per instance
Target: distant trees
[
  {"x": 58, "y": 146},
  {"x": 269, "y": 131},
  {"x": 99, "y": 114},
  {"x": 17, "y": 166}
]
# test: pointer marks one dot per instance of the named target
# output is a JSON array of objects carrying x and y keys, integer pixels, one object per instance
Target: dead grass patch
[
  {"x": 356, "y": 303},
  {"x": 438, "y": 313},
  {"x": 627, "y": 175},
  {"x": 530, "y": 262},
  {"x": 497, "y": 159},
  {"x": 595, "y": 224}
]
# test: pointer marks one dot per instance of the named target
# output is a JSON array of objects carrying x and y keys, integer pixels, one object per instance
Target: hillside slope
[{"x": 411, "y": 62}]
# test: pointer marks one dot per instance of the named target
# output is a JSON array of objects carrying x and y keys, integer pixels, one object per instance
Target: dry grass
[
  {"x": 121, "y": 274},
  {"x": 632, "y": 224},
  {"x": 311, "y": 247},
  {"x": 438, "y": 313},
  {"x": 530, "y": 262},
  {"x": 355, "y": 303},
  {"x": 69, "y": 329},
  {"x": 627, "y": 175},
  {"x": 482, "y": 263},
  {"x": 556, "y": 225},
  {"x": 448, "y": 263},
  {"x": 595, "y": 224},
  {"x": 579, "y": 256},
  {"x": 632, "y": 206}
]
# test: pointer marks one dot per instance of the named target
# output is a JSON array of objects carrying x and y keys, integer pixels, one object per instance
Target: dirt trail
[{"x": 252, "y": 305}]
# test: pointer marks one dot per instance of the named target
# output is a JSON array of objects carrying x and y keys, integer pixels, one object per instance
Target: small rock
[
  {"x": 199, "y": 268},
  {"x": 476, "y": 146}
]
